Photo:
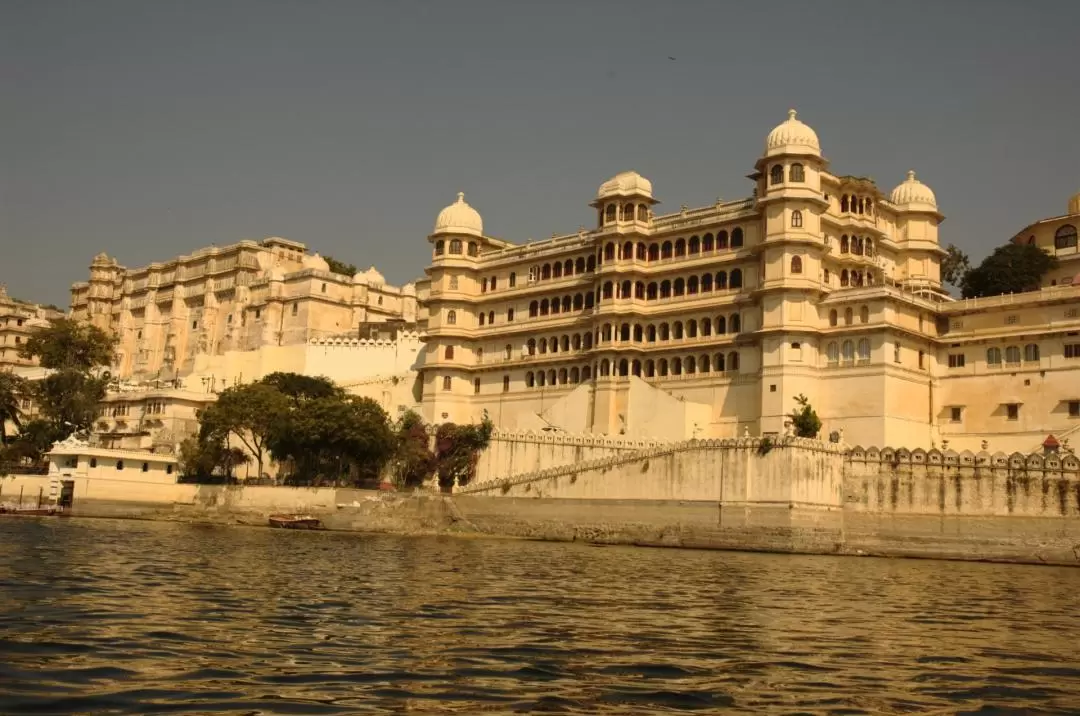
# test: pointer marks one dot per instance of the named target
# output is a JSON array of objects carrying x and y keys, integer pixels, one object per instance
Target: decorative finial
[
  {"x": 791, "y": 114},
  {"x": 461, "y": 197},
  {"x": 911, "y": 175}
]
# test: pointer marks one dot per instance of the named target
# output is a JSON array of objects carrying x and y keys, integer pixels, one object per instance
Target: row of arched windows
[
  {"x": 456, "y": 247},
  {"x": 795, "y": 174},
  {"x": 857, "y": 245},
  {"x": 625, "y": 212},
  {"x": 852, "y": 203},
  {"x": 849, "y": 316},
  {"x": 856, "y": 278},
  {"x": 664, "y": 367},
  {"x": 554, "y": 306},
  {"x": 676, "y": 331},
  {"x": 848, "y": 351},
  {"x": 1012, "y": 354},
  {"x": 561, "y": 269},
  {"x": 679, "y": 248},
  {"x": 721, "y": 281},
  {"x": 555, "y": 344}
]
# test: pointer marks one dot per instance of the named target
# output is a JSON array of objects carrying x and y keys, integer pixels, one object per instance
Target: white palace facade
[{"x": 708, "y": 322}]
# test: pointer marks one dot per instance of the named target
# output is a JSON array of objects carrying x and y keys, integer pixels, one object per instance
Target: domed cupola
[
  {"x": 625, "y": 184},
  {"x": 913, "y": 195},
  {"x": 792, "y": 137},
  {"x": 459, "y": 218}
]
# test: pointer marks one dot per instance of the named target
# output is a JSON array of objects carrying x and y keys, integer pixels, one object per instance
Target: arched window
[
  {"x": 665, "y": 333},
  {"x": 796, "y": 173},
  {"x": 579, "y": 265},
  {"x": 455, "y": 246},
  {"x": 506, "y": 383},
  {"x": 692, "y": 285},
  {"x": 566, "y": 301},
  {"x": 639, "y": 290},
  {"x": 508, "y": 351},
  {"x": 719, "y": 364},
  {"x": 610, "y": 214},
  {"x": 575, "y": 342},
  {"x": 575, "y": 375},
  {"x": 440, "y": 247},
  {"x": 544, "y": 307},
  {"x": 736, "y": 238},
  {"x": 446, "y": 382},
  {"x": 654, "y": 252},
  {"x": 589, "y": 300},
  {"x": 605, "y": 367},
  {"x": 586, "y": 373},
  {"x": 509, "y": 315},
  {"x": 579, "y": 301},
  {"x": 661, "y": 367},
  {"x": 796, "y": 219},
  {"x": 693, "y": 246},
  {"x": 651, "y": 292},
  {"x": 665, "y": 250},
  {"x": 553, "y": 344},
  {"x": 733, "y": 362},
  {"x": 472, "y": 248},
  {"x": 736, "y": 278},
  {"x": 665, "y": 289},
  {"x": 651, "y": 333},
  {"x": 869, "y": 246},
  {"x": 627, "y": 251},
  {"x": 993, "y": 356},
  {"x": 680, "y": 247},
  {"x": 676, "y": 366},
  {"x": 587, "y": 341},
  {"x": 707, "y": 243},
  {"x": 703, "y": 364},
  {"x": 864, "y": 314},
  {"x": 848, "y": 351},
  {"x": 721, "y": 325},
  {"x": 706, "y": 283},
  {"x": 482, "y": 317},
  {"x": 796, "y": 264},
  {"x": 650, "y": 369},
  {"x": 609, "y": 252},
  {"x": 832, "y": 352},
  {"x": 843, "y": 203},
  {"x": 642, "y": 251},
  {"x": 624, "y": 367},
  {"x": 1065, "y": 237},
  {"x": 844, "y": 244},
  {"x": 864, "y": 349},
  {"x": 706, "y": 327},
  {"x": 628, "y": 212},
  {"x": 556, "y": 271},
  {"x": 679, "y": 287},
  {"x": 590, "y": 264},
  {"x": 451, "y": 318},
  {"x": 844, "y": 280},
  {"x": 848, "y": 316},
  {"x": 449, "y": 353},
  {"x": 638, "y": 333},
  {"x": 605, "y": 332},
  {"x": 93, "y": 462},
  {"x": 1031, "y": 353},
  {"x": 832, "y": 317},
  {"x": 625, "y": 291},
  {"x": 691, "y": 328},
  {"x": 624, "y": 333},
  {"x": 734, "y": 323},
  {"x": 119, "y": 464},
  {"x": 1012, "y": 354},
  {"x": 513, "y": 279},
  {"x": 642, "y": 213},
  {"x": 776, "y": 174},
  {"x": 541, "y": 378},
  {"x": 562, "y": 376},
  {"x": 545, "y": 272},
  {"x": 534, "y": 309},
  {"x": 722, "y": 240},
  {"x": 531, "y": 346},
  {"x": 677, "y": 330},
  {"x": 608, "y": 290}
]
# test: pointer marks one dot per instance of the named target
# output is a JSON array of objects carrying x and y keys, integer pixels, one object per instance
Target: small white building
[{"x": 77, "y": 459}]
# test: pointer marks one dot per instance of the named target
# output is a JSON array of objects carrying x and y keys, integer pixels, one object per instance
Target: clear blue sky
[{"x": 149, "y": 129}]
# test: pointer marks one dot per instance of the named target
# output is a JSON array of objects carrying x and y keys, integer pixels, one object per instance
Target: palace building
[{"x": 709, "y": 322}]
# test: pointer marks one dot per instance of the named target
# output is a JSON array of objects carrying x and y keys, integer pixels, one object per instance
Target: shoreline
[{"x": 442, "y": 516}]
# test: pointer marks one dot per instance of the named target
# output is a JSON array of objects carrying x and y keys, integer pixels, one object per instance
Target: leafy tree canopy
[
  {"x": 340, "y": 266},
  {"x": 457, "y": 450},
  {"x": 250, "y": 413},
  {"x": 209, "y": 461},
  {"x": 1012, "y": 268},
  {"x": 13, "y": 389},
  {"x": 301, "y": 388},
  {"x": 804, "y": 419},
  {"x": 67, "y": 345},
  {"x": 954, "y": 266}
]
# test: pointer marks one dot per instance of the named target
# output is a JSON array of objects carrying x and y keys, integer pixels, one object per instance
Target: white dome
[
  {"x": 913, "y": 194},
  {"x": 625, "y": 184},
  {"x": 792, "y": 137},
  {"x": 1074, "y": 204},
  {"x": 459, "y": 218}
]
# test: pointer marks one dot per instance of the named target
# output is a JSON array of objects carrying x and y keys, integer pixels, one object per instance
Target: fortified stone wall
[{"x": 512, "y": 453}]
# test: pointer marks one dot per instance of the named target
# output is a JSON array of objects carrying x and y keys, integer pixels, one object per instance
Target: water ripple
[{"x": 146, "y": 618}]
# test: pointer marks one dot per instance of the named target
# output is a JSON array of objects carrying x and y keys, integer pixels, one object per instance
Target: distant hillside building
[{"x": 18, "y": 319}]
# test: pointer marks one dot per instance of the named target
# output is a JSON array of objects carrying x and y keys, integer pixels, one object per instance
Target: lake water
[{"x": 100, "y": 616}]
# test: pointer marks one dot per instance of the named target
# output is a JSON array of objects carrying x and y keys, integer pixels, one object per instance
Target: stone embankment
[{"x": 796, "y": 496}]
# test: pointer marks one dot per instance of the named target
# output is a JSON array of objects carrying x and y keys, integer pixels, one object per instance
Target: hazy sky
[{"x": 149, "y": 129}]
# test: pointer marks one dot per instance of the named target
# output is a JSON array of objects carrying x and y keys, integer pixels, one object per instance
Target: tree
[
  {"x": 805, "y": 419},
  {"x": 954, "y": 266},
  {"x": 35, "y": 439},
  {"x": 69, "y": 400},
  {"x": 66, "y": 345},
  {"x": 413, "y": 461},
  {"x": 1012, "y": 268},
  {"x": 250, "y": 412},
  {"x": 209, "y": 461},
  {"x": 457, "y": 449},
  {"x": 301, "y": 388},
  {"x": 13, "y": 389},
  {"x": 340, "y": 266}
]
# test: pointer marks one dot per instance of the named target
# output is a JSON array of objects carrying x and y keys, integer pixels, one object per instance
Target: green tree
[
  {"x": 340, "y": 266},
  {"x": 35, "y": 439},
  {"x": 69, "y": 400},
  {"x": 954, "y": 266},
  {"x": 457, "y": 450},
  {"x": 413, "y": 461},
  {"x": 302, "y": 388},
  {"x": 251, "y": 413},
  {"x": 805, "y": 419},
  {"x": 13, "y": 390},
  {"x": 1012, "y": 268},
  {"x": 209, "y": 461},
  {"x": 67, "y": 345}
]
